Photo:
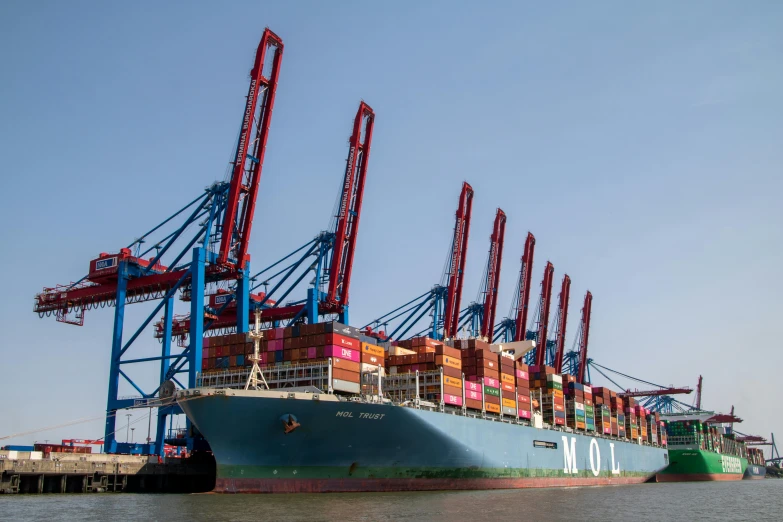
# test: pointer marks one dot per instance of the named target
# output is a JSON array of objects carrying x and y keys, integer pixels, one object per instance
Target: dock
[{"x": 30, "y": 472}]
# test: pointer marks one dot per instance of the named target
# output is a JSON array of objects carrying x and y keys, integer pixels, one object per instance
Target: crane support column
[
  {"x": 109, "y": 442},
  {"x": 243, "y": 299},
  {"x": 165, "y": 362},
  {"x": 196, "y": 314}
]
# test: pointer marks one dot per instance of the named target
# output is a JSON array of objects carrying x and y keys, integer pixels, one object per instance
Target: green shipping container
[{"x": 495, "y": 392}]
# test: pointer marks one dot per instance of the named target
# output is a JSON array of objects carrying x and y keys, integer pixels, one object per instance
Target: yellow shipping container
[
  {"x": 373, "y": 350},
  {"x": 452, "y": 381},
  {"x": 508, "y": 403}
]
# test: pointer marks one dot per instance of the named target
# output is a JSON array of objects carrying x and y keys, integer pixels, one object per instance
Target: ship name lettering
[
  {"x": 569, "y": 456},
  {"x": 369, "y": 416},
  {"x": 615, "y": 465},
  {"x": 595, "y": 458}
]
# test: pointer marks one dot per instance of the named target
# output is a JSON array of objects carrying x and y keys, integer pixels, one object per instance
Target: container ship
[
  {"x": 757, "y": 466},
  {"x": 702, "y": 450},
  {"x": 337, "y": 411}
]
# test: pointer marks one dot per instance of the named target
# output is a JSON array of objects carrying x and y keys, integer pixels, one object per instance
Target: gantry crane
[
  {"x": 327, "y": 259},
  {"x": 576, "y": 361},
  {"x": 442, "y": 301},
  {"x": 561, "y": 320},
  {"x": 514, "y": 327},
  {"x": 543, "y": 315},
  {"x": 222, "y": 218},
  {"x": 479, "y": 316}
]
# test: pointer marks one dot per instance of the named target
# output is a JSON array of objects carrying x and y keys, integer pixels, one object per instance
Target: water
[{"x": 737, "y": 501}]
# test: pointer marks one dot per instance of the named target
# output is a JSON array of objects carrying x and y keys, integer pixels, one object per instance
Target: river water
[{"x": 737, "y": 501}]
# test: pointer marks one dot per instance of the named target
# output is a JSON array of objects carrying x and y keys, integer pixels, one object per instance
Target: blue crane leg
[
  {"x": 197, "y": 287},
  {"x": 312, "y": 306},
  {"x": 243, "y": 300},
  {"x": 168, "y": 317},
  {"x": 109, "y": 442}
]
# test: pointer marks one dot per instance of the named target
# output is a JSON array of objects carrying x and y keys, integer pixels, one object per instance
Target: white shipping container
[
  {"x": 350, "y": 387},
  {"x": 372, "y": 368},
  {"x": 554, "y": 378},
  {"x": 579, "y": 406},
  {"x": 588, "y": 390}
]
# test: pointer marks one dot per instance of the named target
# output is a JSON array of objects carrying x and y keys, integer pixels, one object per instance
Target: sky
[{"x": 640, "y": 144}]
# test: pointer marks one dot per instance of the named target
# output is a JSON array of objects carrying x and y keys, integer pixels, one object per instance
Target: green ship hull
[{"x": 686, "y": 465}]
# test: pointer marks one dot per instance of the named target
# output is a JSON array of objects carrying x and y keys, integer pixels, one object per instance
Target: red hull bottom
[
  {"x": 699, "y": 477},
  {"x": 224, "y": 485}
]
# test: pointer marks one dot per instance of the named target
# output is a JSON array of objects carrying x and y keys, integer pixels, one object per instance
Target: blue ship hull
[
  {"x": 353, "y": 446},
  {"x": 754, "y": 471}
]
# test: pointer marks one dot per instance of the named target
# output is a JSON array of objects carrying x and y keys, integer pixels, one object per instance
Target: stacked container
[
  {"x": 508, "y": 385},
  {"x": 429, "y": 355},
  {"x": 602, "y": 400},
  {"x": 576, "y": 415},
  {"x": 523, "y": 390},
  {"x": 589, "y": 408},
  {"x": 482, "y": 376},
  {"x": 547, "y": 386}
]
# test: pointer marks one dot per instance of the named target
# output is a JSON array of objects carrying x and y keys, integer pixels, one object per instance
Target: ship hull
[
  {"x": 348, "y": 446},
  {"x": 697, "y": 465},
  {"x": 755, "y": 472}
]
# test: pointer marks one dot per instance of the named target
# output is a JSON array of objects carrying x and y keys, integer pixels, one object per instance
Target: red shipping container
[
  {"x": 559, "y": 421},
  {"x": 506, "y": 387},
  {"x": 342, "y": 341},
  {"x": 473, "y": 404},
  {"x": 372, "y": 359},
  {"x": 452, "y": 372},
  {"x": 491, "y": 399},
  {"x": 311, "y": 352},
  {"x": 523, "y": 399}
]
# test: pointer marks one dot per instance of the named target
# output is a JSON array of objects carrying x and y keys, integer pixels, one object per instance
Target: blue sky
[{"x": 640, "y": 144}]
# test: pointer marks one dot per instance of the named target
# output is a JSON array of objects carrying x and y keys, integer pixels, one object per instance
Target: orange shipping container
[
  {"x": 452, "y": 381},
  {"x": 373, "y": 350},
  {"x": 445, "y": 360},
  {"x": 508, "y": 403},
  {"x": 345, "y": 365},
  {"x": 492, "y": 408},
  {"x": 452, "y": 390},
  {"x": 345, "y": 375},
  {"x": 507, "y": 378}
]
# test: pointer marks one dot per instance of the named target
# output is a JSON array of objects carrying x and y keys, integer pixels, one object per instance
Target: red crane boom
[
  {"x": 350, "y": 209},
  {"x": 459, "y": 252},
  {"x": 584, "y": 335},
  {"x": 493, "y": 274},
  {"x": 246, "y": 174},
  {"x": 543, "y": 313},
  {"x": 562, "y": 319},
  {"x": 525, "y": 278}
]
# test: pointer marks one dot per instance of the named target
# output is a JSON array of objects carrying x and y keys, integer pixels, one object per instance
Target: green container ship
[{"x": 701, "y": 449}]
